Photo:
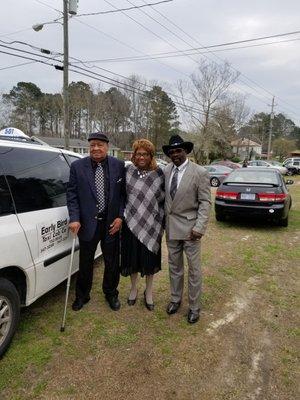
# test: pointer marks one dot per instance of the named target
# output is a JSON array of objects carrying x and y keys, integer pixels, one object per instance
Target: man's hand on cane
[
  {"x": 115, "y": 226},
  {"x": 74, "y": 227}
]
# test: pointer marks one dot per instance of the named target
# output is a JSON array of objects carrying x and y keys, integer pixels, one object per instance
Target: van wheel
[{"x": 9, "y": 313}]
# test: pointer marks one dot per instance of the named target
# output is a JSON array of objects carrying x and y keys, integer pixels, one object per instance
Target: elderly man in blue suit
[{"x": 95, "y": 200}]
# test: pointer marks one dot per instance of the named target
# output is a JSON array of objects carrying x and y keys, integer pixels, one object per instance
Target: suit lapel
[
  {"x": 90, "y": 175},
  {"x": 112, "y": 177}
]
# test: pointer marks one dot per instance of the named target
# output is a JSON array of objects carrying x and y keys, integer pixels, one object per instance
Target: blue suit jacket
[{"x": 82, "y": 197}]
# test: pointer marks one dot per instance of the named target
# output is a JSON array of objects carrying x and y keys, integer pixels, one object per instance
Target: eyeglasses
[
  {"x": 139, "y": 155},
  {"x": 175, "y": 151}
]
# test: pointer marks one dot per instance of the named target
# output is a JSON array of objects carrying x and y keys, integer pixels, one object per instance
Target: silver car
[
  {"x": 217, "y": 173},
  {"x": 268, "y": 164}
]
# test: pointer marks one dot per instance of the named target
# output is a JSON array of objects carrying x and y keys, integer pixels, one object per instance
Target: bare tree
[{"x": 206, "y": 91}]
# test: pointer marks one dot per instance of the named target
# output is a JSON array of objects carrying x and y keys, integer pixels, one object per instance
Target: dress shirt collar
[
  {"x": 182, "y": 166},
  {"x": 95, "y": 163}
]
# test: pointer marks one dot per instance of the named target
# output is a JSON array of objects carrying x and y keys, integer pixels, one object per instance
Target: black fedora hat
[
  {"x": 99, "y": 136},
  {"x": 176, "y": 142}
]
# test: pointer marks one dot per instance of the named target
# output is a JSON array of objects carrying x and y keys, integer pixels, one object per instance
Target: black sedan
[{"x": 249, "y": 192}]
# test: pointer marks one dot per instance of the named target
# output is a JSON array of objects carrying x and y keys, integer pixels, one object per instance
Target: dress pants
[
  {"x": 110, "y": 251},
  {"x": 191, "y": 248}
]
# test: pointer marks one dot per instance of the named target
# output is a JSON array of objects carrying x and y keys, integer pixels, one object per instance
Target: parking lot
[{"x": 244, "y": 347}]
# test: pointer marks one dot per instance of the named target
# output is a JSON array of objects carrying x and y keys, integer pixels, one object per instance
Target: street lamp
[{"x": 69, "y": 6}]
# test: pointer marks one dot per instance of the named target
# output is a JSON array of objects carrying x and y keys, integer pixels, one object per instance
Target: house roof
[{"x": 245, "y": 142}]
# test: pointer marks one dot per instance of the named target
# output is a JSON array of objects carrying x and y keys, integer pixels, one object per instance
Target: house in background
[
  {"x": 294, "y": 153},
  {"x": 76, "y": 145},
  {"x": 246, "y": 148}
]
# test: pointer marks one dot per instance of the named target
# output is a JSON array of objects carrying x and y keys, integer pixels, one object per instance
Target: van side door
[
  {"x": 14, "y": 249},
  {"x": 38, "y": 178}
]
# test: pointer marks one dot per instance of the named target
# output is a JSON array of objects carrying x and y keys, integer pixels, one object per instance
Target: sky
[{"x": 265, "y": 71}]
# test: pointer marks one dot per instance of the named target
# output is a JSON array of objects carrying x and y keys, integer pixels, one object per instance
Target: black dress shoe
[
  {"x": 173, "y": 307},
  {"x": 131, "y": 302},
  {"x": 193, "y": 316},
  {"x": 149, "y": 306},
  {"x": 114, "y": 303},
  {"x": 79, "y": 303}
]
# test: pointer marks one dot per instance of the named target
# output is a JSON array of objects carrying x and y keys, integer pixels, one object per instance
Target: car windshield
[{"x": 251, "y": 176}]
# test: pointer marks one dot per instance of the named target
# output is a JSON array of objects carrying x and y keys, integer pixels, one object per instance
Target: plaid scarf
[{"x": 144, "y": 212}]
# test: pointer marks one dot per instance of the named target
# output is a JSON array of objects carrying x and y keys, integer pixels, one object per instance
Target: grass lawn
[{"x": 245, "y": 346}]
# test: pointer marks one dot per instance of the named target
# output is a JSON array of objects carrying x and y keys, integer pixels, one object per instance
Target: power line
[
  {"x": 107, "y": 80},
  {"x": 17, "y": 65},
  {"x": 123, "y": 9},
  {"x": 147, "y": 29},
  {"x": 108, "y": 11},
  {"x": 110, "y": 81},
  {"x": 172, "y": 45},
  {"x": 82, "y": 62},
  {"x": 129, "y": 46},
  {"x": 27, "y": 52},
  {"x": 151, "y": 5},
  {"x": 45, "y": 51},
  {"x": 188, "y": 35},
  {"x": 181, "y": 53},
  {"x": 180, "y": 38},
  {"x": 13, "y": 33}
]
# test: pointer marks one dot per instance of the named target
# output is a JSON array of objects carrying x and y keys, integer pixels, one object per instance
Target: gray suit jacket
[{"x": 190, "y": 208}]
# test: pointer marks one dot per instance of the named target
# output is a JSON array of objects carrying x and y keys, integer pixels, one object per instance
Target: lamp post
[{"x": 69, "y": 7}]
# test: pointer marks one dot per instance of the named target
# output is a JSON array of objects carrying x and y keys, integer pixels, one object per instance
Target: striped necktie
[{"x": 174, "y": 183}]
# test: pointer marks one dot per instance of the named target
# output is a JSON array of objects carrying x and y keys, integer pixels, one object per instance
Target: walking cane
[{"x": 62, "y": 328}]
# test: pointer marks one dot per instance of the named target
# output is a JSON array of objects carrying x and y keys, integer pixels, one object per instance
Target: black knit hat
[
  {"x": 176, "y": 142},
  {"x": 99, "y": 136}
]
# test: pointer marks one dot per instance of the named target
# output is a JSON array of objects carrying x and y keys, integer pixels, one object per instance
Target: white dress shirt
[{"x": 181, "y": 170}]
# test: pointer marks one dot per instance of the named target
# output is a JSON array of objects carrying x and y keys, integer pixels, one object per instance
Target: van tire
[{"x": 9, "y": 308}]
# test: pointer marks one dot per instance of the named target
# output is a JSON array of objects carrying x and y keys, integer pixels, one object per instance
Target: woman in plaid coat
[{"x": 143, "y": 226}]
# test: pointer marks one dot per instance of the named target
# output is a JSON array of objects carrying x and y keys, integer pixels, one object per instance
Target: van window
[
  {"x": 6, "y": 205},
  {"x": 37, "y": 179}
]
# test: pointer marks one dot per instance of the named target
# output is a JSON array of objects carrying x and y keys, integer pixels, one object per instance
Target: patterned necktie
[
  {"x": 174, "y": 182},
  {"x": 99, "y": 183}
]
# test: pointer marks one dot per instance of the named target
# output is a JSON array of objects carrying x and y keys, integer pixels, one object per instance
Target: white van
[{"x": 35, "y": 243}]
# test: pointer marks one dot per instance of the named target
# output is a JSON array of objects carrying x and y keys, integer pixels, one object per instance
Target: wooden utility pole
[
  {"x": 66, "y": 78},
  {"x": 271, "y": 128}
]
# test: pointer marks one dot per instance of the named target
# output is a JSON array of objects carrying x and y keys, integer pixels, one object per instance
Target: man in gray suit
[{"x": 187, "y": 207}]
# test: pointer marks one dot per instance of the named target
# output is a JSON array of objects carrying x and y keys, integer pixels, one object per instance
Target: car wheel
[
  {"x": 214, "y": 182},
  {"x": 284, "y": 222},
  {"x": 9, "y": 313},
  {"x": 289, "y": 172},
  {"x": 220, "y": 217}
]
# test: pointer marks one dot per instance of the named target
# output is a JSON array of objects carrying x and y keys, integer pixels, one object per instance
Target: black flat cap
[{"x": 99, "y": 136}]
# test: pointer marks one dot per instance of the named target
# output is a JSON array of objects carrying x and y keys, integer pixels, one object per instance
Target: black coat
[{"x": 82, "y": 197}]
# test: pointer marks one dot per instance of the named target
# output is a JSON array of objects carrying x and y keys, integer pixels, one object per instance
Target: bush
[{"x": 235, "y": 159}]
